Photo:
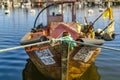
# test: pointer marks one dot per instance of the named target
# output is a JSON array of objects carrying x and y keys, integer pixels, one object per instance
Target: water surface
[{"x": 14, "y": 26}]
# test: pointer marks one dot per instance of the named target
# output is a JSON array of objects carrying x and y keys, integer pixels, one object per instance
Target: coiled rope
[{"x": 39, "y": 43}]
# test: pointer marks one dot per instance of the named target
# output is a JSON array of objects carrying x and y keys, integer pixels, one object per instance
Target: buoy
[
  {"x": 7, "y": 11},
  {"x": 109, "y": 37},
  {"x": 90, "y": 12},
  {"x": 100, "y": 31},
  {"x": 32, "y": 11},
  {"x": 101, "y": 9}
]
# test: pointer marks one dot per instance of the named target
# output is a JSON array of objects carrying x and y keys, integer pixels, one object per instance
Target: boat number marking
[
  {"x": 45, "y": 56},
  {"x": 84, "y": 53}
]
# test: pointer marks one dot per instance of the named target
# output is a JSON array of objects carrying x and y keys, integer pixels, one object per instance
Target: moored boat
[{"x": 61, "y": 51}]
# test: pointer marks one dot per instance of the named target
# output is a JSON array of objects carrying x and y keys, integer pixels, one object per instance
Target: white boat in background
[
  {"x": 101, "y": 10},
  {"x": 27, "y": 4},
  {"x": 16, "y": 5},
  {"x": 2, "y": 6},
  {"x": 78, "y": 5},
  {"x": 90, "y": 12},
  {"x": 7, "y": 11},
  {"x": 32, "y": 11},
  {"x": 22, "y": 6},
  {"x": 7, "y": 4}
]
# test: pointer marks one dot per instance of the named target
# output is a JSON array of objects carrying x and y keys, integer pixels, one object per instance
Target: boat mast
[
  {"x": 59, "y": 18},
  {"x": 73, "y": 11}
]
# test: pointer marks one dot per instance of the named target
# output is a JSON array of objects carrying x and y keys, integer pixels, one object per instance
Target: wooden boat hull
[
  {"x": 61, "y": 63},
  {"x": 59, "y": 60}
]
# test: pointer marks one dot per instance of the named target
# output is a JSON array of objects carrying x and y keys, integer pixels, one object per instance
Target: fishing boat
[{"x": 60, "y": 50}]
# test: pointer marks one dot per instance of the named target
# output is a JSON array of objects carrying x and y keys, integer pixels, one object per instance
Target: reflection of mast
[{"x": 85, "y": 18}]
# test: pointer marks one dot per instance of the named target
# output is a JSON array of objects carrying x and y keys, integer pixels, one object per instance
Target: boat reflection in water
[
  {"x": 31, "y": 73},
  {"x": 90, "y": 74}
]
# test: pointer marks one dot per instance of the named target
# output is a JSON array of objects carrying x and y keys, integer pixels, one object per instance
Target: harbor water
[{"x": 14, "y": 63}]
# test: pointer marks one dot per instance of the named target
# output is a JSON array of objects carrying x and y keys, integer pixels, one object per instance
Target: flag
[
  {"x": 78, "y": 27},
  {"x": 110, "y": 28},
  {"x": 108, "y": 13}
]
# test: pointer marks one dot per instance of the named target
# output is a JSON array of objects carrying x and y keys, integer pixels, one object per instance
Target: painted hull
[
  {"x": 61, "y": 63},
  {"x": 67, "y": 59},
  {"x": 58, "y": 60}
]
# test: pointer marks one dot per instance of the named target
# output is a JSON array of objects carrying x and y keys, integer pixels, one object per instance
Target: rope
[
  {"x": 56, "y": 3},
  {"x": 112, "y": 45},
  {"x": 87, "y": 44},
  {"x": 98, "y": 46},
  {"x": 24, "y": 46}
]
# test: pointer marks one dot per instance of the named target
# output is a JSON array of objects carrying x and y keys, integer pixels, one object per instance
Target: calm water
[{"x": 20, "y": 21}]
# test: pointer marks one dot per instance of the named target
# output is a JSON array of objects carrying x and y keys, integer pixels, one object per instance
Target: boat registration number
[
  {"x": 84, "y": 54},
  {"x": 45, "y": 56}
]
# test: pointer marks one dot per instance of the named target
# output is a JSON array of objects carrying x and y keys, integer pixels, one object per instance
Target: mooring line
[
  {"x": 39, "y": 43},
  {"x": 112, "y": 45},
  {"x": 23, "y": 46},
  {"x": 105, "y": 47}
]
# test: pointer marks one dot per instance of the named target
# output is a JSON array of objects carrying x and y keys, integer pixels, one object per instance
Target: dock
[{"x": 41, "y": 3}]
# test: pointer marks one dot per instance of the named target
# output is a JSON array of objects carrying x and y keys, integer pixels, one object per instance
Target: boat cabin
[{"x": 58, "y": 17}]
